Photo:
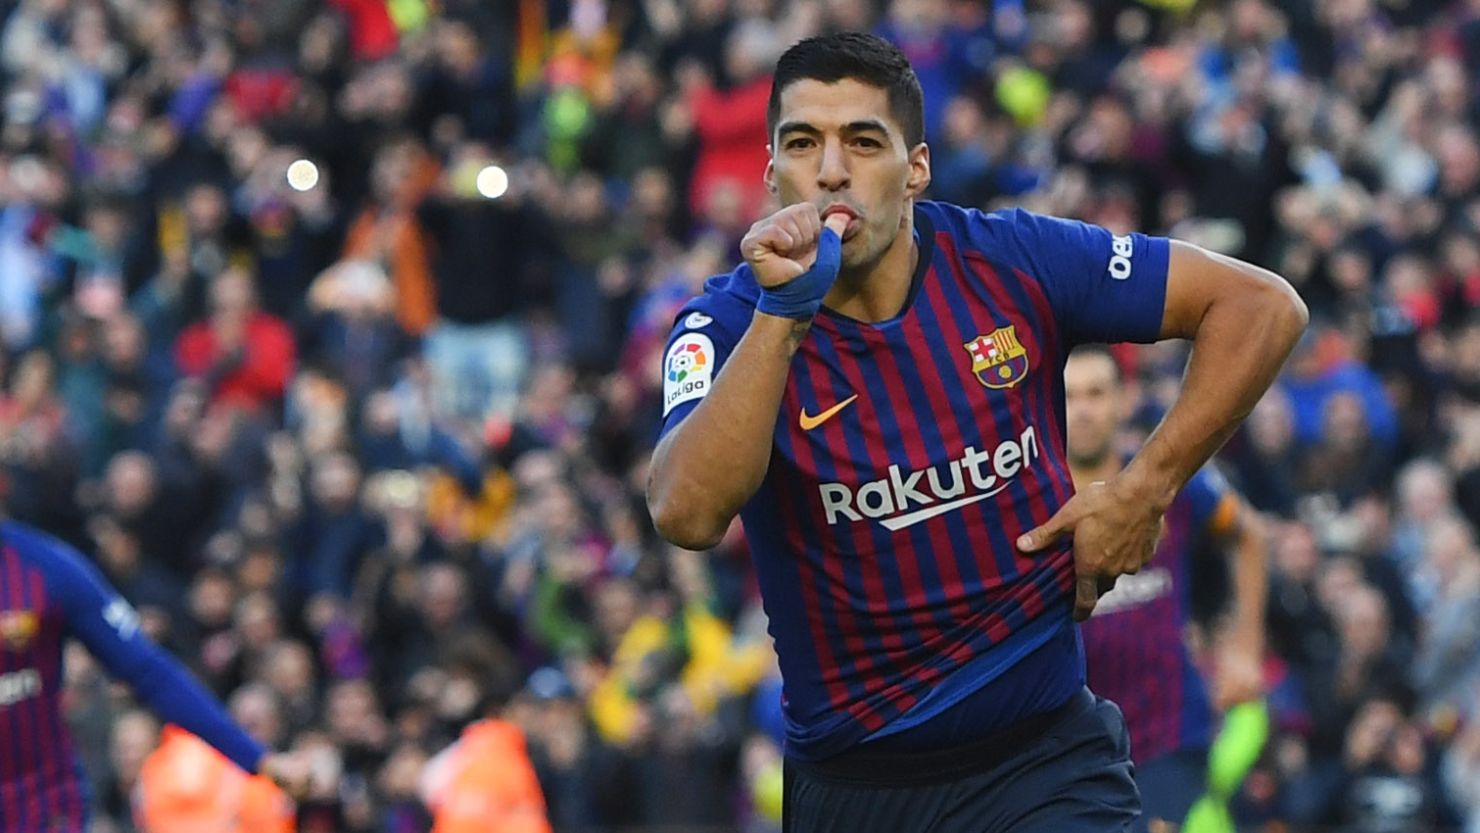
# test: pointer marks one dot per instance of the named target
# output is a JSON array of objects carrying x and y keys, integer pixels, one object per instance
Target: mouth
[{"x": 854, "y": 221}]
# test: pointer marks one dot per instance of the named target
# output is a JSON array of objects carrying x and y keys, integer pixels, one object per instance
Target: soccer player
[
  {"x": 49, "y": 591},
  {"x": 1135, "y": 640},
  {"x": 878, "y": 392}
]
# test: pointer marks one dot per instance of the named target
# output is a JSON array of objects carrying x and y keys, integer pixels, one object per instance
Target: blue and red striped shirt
[
  {"x": 908, "y": 456},
  {"x": 1136, "y": 641},
  {"x": 48, "y": 592}
]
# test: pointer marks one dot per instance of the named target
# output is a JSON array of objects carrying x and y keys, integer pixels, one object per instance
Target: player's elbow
[
  {"x": 1234, "y": 293},
  {"x": 1281, "y": 306},
  {"x": 682, "y": 523}
]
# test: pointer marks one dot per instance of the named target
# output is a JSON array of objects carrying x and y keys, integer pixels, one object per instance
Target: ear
[
  {"x": 770, "y": 175},
  {"x": 919, "y": 178}
]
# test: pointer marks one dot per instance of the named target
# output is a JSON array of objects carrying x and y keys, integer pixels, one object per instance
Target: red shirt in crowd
[
  {"x": 263, "y": 373},
  {"x": 731, "y": 125}
]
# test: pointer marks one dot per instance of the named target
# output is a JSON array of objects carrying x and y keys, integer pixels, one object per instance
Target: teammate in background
[
  {"x": 49, "y": 591},
  {"x": 878, "y": 393},
  {"x": 1135, "y": 642}
]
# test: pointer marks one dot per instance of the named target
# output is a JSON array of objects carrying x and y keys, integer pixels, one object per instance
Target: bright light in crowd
[
  {"x": 303, "y": 175},
  {"x": 493, "y": 182}
]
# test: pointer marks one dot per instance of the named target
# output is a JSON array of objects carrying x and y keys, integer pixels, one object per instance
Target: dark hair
[
  {"x": 1098, "y": 349},
  {"x": 862, "y": 57}
]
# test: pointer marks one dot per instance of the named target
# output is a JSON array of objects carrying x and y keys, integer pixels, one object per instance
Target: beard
[{"x": 1088, "y": 458}]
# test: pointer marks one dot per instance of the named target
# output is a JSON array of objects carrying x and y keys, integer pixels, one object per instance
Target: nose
[{"x": 833, "y": 174}]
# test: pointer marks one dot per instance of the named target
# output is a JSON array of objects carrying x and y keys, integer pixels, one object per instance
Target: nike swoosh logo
[
  {"x": 810, "y": 422},
  {"x": 899, "y": 522}
]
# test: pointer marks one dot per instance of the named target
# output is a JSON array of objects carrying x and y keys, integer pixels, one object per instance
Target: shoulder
[
  {"x": 1211, "y": 500},
  {"x": 725, "y": 307},
  {"x": 734, "y": 291},
  {"x": 1002, "y": 225},
  {"x": 31, "y": 543},
  {"x": 52, "y": 556},
  {"x": 704, "y": 332},
  {"x": 1012, "y": 236}
]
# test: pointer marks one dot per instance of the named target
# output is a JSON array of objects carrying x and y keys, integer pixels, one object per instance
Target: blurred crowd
[{"x": 370, "y": 455}]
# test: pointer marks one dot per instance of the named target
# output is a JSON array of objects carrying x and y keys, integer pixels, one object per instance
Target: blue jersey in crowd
[
  {"x": 48, "y": 592},
  {"x": 908, "y": 455}
]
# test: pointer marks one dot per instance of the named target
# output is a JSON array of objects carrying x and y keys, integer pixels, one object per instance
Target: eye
[
  {"x": 799, "y": 143},
  {"x": 868, "y": 143}
]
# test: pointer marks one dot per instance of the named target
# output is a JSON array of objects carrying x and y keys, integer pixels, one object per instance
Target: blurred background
[{"x": 331, "y": 330}]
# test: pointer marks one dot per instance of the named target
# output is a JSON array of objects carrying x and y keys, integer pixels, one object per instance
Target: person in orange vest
[
  {"x": 485, "y": 783},
  {"x": 185, "y": 786}
]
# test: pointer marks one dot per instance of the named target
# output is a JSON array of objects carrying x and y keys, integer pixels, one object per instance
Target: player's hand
[
  {"x": 1238, "y": 678},
  {"x": 1115, "y": 533},
  {"x": 289, "y": 771},
  {"x": 783, "y": 246}
]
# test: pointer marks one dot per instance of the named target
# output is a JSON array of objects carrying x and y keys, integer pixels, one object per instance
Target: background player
[
  {"x": 49, "y": 591},
  {"x": 1136, "y": 640},
  {"x": 878, "y": 392}
]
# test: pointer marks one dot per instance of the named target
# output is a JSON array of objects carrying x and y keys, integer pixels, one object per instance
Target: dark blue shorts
[
  {"x": 1066, "y": 771},
  {"x": 1171, "y": 784}
]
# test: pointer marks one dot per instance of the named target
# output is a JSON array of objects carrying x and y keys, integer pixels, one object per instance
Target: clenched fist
[
  {"x": 795, "y": 256},
  {"x": 783, "y": 246}
]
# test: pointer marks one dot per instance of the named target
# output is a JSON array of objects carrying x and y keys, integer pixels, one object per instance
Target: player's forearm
[
  {"x": 177, "y": 697},
  {"x": 711, "y": 464},
  {"x": 1250, "y": 583},
  {"x": 1238, "y": 348}
]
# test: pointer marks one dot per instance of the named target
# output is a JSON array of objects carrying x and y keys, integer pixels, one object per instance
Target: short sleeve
[
  {"x": 1214, "y": 506},
  {"x": 1102, "y": 287},
  {"x": 703, "y": 336}
]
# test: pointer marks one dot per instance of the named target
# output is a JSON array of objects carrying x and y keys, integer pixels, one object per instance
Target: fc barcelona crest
[
  {"x": 997, "y": 359},
  {"x": 18, "y": 628}
]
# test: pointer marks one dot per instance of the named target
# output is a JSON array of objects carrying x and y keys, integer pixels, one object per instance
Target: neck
[
  {"x": 877, "y": 291},
  {"x": 1086, "y": 472}
]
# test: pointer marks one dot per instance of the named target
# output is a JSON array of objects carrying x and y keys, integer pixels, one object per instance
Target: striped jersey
[
  {"x": 1136, "y": 641},
  {"x": 49, "y": 592},
  {"x": 907, "y": 457}
]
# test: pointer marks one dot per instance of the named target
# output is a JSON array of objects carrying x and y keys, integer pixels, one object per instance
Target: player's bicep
[{"x": 1197, "y": 278}]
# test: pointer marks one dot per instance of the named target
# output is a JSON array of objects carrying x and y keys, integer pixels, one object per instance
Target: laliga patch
[{"x": 688, "y": 369}]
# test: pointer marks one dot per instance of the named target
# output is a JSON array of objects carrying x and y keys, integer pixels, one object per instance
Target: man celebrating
[
  {"x": 1135, "y": 641},
  {"x": 878, "y": 393}
]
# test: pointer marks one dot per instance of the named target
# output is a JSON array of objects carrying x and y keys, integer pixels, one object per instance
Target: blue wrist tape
[{"x": 801, "y": 296}]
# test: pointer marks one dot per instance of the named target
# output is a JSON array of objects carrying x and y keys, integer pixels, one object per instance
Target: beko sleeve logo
[
  {"x": 120, "y": 616},
  {"x": 1120, "y": 259}
]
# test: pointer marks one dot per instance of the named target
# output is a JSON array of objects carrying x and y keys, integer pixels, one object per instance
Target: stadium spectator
[{"x": 244, "y": 355}]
